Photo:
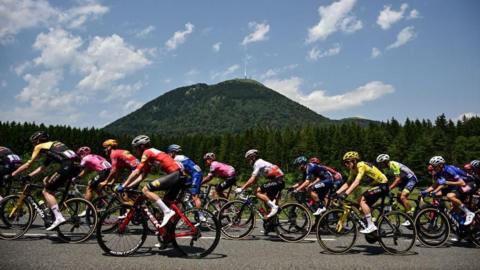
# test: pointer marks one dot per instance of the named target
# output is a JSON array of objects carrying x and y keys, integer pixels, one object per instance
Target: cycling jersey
[
  {"x": 374, "y": 176},
  {"x": 123, "y": 159},
  {"x": 266, "y": 169},
  {"x": 193, "y": 170},
  {"x": 450, "y": 173},
  {"x": 315, "y": 171},
  {"x": 221, "y": 170},
  {"x": 154, "y": 157},
  {"x": 398, "y": 169},
  {"x": 95, "y": 163},
  {"x": 8, "y": 158},
  {"x": 54, "y": 151}
]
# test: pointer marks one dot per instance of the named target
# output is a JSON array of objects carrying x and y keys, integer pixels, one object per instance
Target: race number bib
[
  {"x": 13, "y": 158},
  {"x": 69, "y": 154}
]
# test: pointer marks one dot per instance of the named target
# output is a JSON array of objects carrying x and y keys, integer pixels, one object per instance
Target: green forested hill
[{"x": 230, "y": 106}]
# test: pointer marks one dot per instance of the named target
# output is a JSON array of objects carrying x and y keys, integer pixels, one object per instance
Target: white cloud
[
  {"x": 388, "y": 17},
  {"x": 145, "y": 32},
  {"x": 58, "y": 47},
  {"x": 319, "y": 101},
  {"x": 179, "y": 37},
  {"x": 316, "y": 54},
  {"x": 333, "y": 18},
  {"x": 467, "y": 115},
  {"x": 132, "y": 105},
  {"x": 123, "y": 91},
  {"x": 259, "y": 33},
  {"x": 20, "y": 69},
  {"x": 17, "y": 15},
  {"x": 229, "y": 71},
  {"x": 277, "y": 71},
  {"x": 406, "y": 35},
  {"x": 414, "y": 14},
  {"x": 216, "y": 46},
  {"x": 376, "y": 52}
]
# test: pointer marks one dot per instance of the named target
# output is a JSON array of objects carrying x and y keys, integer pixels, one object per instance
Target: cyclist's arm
[
  {"x": 396, "y": 182},
  {"x": 37, "y": 171},
  {"x": 207, "y": 178},
  {"x": 458, "y": 183},
  {"x": 438, "y": 188},
  {"x": 82, "y": 173},
  {"x": 133, "y": 176},
  {"x": 137, "y": 180},
  {"x": 303, "y": 185},
  {"x": 113, "y": 174},
  {"x": 342, "y": 188},
  {"x": 314, "y": 182},
  {"x": 251, "y": 181}
]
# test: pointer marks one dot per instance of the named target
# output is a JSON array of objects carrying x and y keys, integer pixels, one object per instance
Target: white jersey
[{"x": 266, "y": 169}]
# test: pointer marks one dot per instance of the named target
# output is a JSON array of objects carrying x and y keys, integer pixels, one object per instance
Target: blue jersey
[
  {"x": 315, "y": 171},
  {"x": 450, "y": 173},
  {"x": 193, "y": 170}
]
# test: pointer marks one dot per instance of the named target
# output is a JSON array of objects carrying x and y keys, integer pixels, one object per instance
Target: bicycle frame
[{"x": 25, "y": 195}]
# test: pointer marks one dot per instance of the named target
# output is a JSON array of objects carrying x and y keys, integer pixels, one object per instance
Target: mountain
[{"x": 229, "y": 106}]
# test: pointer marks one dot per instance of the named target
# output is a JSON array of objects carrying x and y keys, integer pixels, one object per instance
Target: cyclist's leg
[
  {"x": 51, "y": 184},
  {"x": 226, "y": 183},
  {"x": 269, "y": 192},
  {"x": 321, "y": 189},
  {"x": 406, "y": 189},
  {"x": 454, "y": 198},
  {"x": 369, "y": 198}
]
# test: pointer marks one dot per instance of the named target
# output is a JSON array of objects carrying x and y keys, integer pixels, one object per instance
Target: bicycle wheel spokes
[
  {"x": 117, "y": 237},
  {"x": 15, "y": 217},
  {"x": 294, "y": 222},
  {"x": 396, "y": 235},
  {"x": 336, "y": 231},
  {"x": 215, "y": 205},
  {"x": 433, "y": 227},
  {"x": 199, "y": 236},
  {"x": 81, "y": 220},
  {"x": 237, "y": 219}
]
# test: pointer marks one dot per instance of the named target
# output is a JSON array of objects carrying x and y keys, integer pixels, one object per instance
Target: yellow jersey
[{"x": 374, "y": 176}]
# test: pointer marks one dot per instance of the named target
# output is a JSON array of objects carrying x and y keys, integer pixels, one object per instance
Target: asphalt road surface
[{"x": 39, "y": 250}]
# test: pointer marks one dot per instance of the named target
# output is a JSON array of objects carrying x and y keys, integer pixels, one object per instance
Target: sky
[{"x": 89, "y": 62}]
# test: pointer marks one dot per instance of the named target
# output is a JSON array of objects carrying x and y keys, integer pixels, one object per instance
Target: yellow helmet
[
  {"x": 110, "y": 142},
  {"x": 351, "y": 155}
]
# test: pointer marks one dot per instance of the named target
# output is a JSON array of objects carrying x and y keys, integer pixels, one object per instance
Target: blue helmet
[
  {"x": 174, "y": 148},
  {"x": 301, "y": 160}
]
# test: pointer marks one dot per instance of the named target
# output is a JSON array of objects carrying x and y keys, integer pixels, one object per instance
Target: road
[{"x": 39, "y": 250}]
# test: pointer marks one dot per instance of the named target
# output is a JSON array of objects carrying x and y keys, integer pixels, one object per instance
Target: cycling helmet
[
  {"x": 301, "y": 160},
  {"x": 383, "y": 158},
  {"x": 174, "y": 148},
  {"x": 468, "y": 167},
  {"x": 140, "y": 140},
  {"x": 437, "y": 160},
  {"x": 39, "y": 135},
  {"x": 209, "y": 156},
  {"x": 251, "y": 153},
  {"x": 83, "y": 151},
  {"x": 110, "y": 142},
  {"x": 314, "y": 160},
  {"x": 475, "y": 164},
  {"x": 351, "y": 155}
]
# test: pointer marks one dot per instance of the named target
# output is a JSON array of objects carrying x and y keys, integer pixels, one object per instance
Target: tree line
[{"x": 411, "y": 143}]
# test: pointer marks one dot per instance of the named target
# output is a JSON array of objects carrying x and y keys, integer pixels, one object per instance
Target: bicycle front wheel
[
  {"x": 215, "y": 205},
  {"x": 237, "y": 219},
  {"x": 433, "y": 227},
  {"x": 119, "y": 237},
  {"x": 336, "y": 231},
  {"x": 15, "y": 220},
  {"x": 294, "y": 222},
  {"x": 396, "y": 233},
  {"x": 81, "y": 220},
  {"x": 198, "y": 235}
]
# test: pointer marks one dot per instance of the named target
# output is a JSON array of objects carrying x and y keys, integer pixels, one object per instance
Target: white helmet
[
  {"x": 209, "y": 156},
  {"x": 475, "y": 164},
  {"x": 383, "y": 158},
  {"x": 140, "y": 140},
  {"x": 251, "y": 152},
  {"x": 437, "y": 160}
]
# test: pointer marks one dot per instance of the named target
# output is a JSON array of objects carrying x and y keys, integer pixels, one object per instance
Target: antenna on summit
[{"x": 245, "y": 67}]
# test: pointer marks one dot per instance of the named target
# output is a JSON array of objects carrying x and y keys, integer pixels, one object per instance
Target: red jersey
[
  {"x": 123, "y": 159},
  {"x": 158, "y": 158}
]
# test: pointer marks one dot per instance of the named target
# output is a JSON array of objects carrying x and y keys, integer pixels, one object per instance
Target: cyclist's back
[{"x": 374, "y": 176}]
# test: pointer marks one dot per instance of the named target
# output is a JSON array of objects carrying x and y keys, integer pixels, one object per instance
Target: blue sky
[{"x": 87, "y": 63}]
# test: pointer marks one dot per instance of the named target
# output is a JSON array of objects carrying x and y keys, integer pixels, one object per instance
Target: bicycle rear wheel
[
  {"x": 433, "y": 227},
  {"x": 215, "y": 205},
  {"x": 336, "y": 231},
  {"x": 294, "y": 222},
  {"x": 474, "y": 229},
  {"x": 121, "y": 238},
  {"x": 81, "y": 220},
  {"x": 198, "y": 239},
  {"x": 14, "y": 221},
  {"x": 237, "y": 219},
  {"x": 394, "y": 237}
]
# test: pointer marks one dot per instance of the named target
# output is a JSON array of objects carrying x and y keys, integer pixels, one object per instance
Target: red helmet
[
  {"x": 430, "y": 168},
  {"x": 468, "y": 167},
  {"x": 83, "y": 151},
  {"x": 314, "y": 160}
]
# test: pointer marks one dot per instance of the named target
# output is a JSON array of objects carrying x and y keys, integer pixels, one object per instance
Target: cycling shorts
[
  {"x": 67, "y": 171},
  {"x": 273, "y": 188},
  {"x": 408, "y": 185},
  {"x": 226, "y": 183},
  {"x": 100, "y": 177},
  {"x": 172, "y": 183},
  {"x": 373, "y": 194}
]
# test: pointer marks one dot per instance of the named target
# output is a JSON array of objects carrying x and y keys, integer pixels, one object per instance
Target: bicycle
[
  {"x": 337, "y": 230},
  {"x": 17, "y": 215},
  {"x": 435, "y": 223},
  {"x": 190, "y": 236},
  {"x": 208, "y": 203},
  {"x": 292, "y": 223}
]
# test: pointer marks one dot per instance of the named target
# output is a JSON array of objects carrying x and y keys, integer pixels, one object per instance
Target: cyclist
[
  {"x": 377, "y": 180},
  {"x": 222, "y": 170},
  {"x": 319, "y": 179},
  {"x": 449, "y": 182},
  {"x": 475, "y": 168},
  {"x": 93, "y": 163},
  {"x": 120, "y": 160},
  {"x": 9, "y": 162},
  {"x": 172, "y": 183},
  {"x": 404, "y": 179},
  {"x": 269, "y": 192},
  {"x": 57, "y": 152},
  {"x": 189, "y": 168}
]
